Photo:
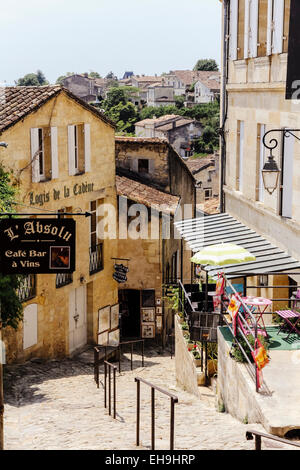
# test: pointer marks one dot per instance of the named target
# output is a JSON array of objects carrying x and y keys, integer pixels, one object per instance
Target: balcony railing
[
  {"x": 63, "y": 279},
  {"x": 96, "y": 258},
  {"x": 27, "y": 289}
]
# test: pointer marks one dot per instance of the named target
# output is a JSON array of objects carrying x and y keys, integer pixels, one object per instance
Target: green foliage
[
  {"x": 11, "y": 307},
  {"x": 94, "y": 75},
  {"x": 237, "y": 354},
  {"x": 33, "y": 79},
  {"x": 206, "y": 64}
]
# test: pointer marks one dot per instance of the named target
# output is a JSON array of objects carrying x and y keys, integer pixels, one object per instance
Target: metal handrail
[
  {"x": 109, "y": 366},
  {"x": 185, "y": 295},
  {"x": 132, "y": 344},
  {"x": 97, "y": 351},
  {"x": 173, "y": 398},
  {"x": 258, "y": 435}
]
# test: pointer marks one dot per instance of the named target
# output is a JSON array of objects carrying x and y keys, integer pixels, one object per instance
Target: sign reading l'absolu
[{"x": 40, "y": 246}]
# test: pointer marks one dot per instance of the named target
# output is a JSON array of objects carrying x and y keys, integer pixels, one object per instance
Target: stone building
[
  {"x": 87, "y": 88},
  {"x": 151, "y": 173},
  {"x": 183, "y": 81},
  {"x": 61, "y": 154},
  {"x": 206, "y": 173},
  {"x": 160, "y": 95},
  {"x": 177, "y": 130}
]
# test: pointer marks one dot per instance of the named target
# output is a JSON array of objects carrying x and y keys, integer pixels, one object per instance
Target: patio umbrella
[{"x": 222, "y": 254}]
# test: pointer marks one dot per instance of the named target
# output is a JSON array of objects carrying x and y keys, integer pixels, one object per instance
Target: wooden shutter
[
  {"x": 71, "y": 148},
  {"x": 35, "y": 166},
  {"x": 253, "y": 28},
  {"x": 233, "y": 29},
  {"x": 278, "y": 20},
  {"x": 54, "y": 153},
  {"x": 87, "y": 147},
  {"x": 30, "y": 326},
  {"x": 270, "y": 27},
  {"x": 287, "y": 177},
  {"x": 247, "y": 28}
]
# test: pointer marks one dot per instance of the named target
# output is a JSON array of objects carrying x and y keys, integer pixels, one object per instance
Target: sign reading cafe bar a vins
[{"x": 41, "y": 246}]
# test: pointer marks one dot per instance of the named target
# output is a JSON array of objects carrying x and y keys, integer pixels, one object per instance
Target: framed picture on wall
[
  {"x": 158, "y": 301},
  {"x": 148, "y": 315},
  {"x": 148, "y": 298},
  {"x": 158, "y": 310},
  {"x": 148, "y": 330},
  {"x": 159, "y": 322}
]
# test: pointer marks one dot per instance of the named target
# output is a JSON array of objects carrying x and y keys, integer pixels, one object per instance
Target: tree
[
  {"x": 32, "y": 79},
  {"x": 11, "y": 307},
  {"x": 94, "y": 75},
  {"x": 206, "y": 64}
]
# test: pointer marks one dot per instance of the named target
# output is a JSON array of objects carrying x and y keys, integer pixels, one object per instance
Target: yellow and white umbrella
[{"x": 222, "y": 254}]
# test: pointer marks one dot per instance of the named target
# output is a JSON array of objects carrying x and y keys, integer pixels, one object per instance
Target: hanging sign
[
  {"x": 120, "y": 274},
  {"x": 37, "y": 246}
]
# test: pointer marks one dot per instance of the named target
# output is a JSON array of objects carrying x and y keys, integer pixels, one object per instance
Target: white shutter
[
  {"x": 247, "y": 27},
  {"x": 261, "y": 163},
  {"x": 287, "y": 184},
  {"x": 241, "y": 156},
  {"x": 151, "y": 166},
  {"x": 87, "y": 147},
  {"x": 54, "y": 153},
  {"x": 278, "y": 19},
  {"x": 253, "y": 28},
  {"x": 30, "y": 326},
  {"x": 35, "y": 166},
  {"x": 71, "y": 148},
  {"x": 134, "y": 164},
  {"x": 270, "y": 27},
  {"x": 233, "y": 32}
]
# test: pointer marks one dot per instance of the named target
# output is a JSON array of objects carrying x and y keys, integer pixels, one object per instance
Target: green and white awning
[
  {"x": 222, "y": 254},
  {"x": 223, "y": 228}
]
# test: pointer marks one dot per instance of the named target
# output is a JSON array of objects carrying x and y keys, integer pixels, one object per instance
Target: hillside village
[{"x": 150, "y": 240}]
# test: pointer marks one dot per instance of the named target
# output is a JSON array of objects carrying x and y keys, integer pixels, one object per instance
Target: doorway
[
  {"x": 77, "y": 318},
  {"x": 130, "y": 318}
]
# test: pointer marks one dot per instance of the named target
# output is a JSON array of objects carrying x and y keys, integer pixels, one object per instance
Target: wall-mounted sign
[
  {"x": 37, "y": 246},
  {"x": 120, "y": 274}
]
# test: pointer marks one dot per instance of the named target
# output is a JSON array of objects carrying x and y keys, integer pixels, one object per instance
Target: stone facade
[{"x": 50, "y": 313}]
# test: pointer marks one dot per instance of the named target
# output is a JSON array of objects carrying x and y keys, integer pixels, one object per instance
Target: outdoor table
[
  {"x": 286, "y": 315},
  {"x": 260, "y": 304}
]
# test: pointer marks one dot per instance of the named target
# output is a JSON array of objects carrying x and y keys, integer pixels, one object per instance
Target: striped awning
[{"x": 209, "y": 230}]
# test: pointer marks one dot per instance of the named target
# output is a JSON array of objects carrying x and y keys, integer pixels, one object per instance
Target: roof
[
  {"x": 198, "y": 164},
  {"x": 188, "y": 77},
  {"x": 146, "y": 78},
  {"x": 17, "y": 102},
  {"x": 209, "y": 230},
  {"x": 166, "y": 122},
  {"x": 147, "y": 195},
  {"x": 212, "y": 206}
]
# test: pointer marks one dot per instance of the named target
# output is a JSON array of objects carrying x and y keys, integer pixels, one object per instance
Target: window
[
  {"x": 286, "y": 25},
  {"x": 207, "y": 194},
  {"x": 262, "y": 27},
  {"x": 44, "y": 154},
  {"x": 96, "y": 247},
  {"x": 143, "y": 165},
  {"x": 79, "y": 147},
  {"x": 240, "y": 155},
  {"x": 148, "y": 298},
  {"x": 241, "y": 30},
  {"x": 93, "y": 226}
]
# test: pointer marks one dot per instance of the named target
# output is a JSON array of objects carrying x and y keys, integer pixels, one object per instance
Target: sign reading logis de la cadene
[{"x": 57, "y": 194}]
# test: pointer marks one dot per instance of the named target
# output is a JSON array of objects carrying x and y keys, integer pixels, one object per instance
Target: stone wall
[{"x": 186, "y": 374}]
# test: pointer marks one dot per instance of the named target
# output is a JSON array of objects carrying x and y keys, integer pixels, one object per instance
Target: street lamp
[{"x": 270, "y": 171}]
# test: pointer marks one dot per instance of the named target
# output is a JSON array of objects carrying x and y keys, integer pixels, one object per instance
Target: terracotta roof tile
[
  {"x": 147, "y": 195},
  {"x": 18, "y": 102},
  {"x": 212, "y": 206},
  {"x": 197, "y": 164}
]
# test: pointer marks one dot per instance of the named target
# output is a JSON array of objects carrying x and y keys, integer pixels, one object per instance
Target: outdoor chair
[{"x": 286, "y": 316}]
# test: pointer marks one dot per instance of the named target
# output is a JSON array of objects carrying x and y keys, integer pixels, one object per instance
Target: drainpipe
[{"x": 224, "y": 100}]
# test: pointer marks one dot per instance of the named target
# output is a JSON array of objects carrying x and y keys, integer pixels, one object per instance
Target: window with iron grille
[
  {"x": 63, "y": 279},
  {"x": 96, "y": 247},
  {"x": 27, "y": 289}
]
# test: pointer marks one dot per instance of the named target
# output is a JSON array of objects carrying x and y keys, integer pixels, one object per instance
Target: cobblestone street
[{"x": 56, "y": 405}]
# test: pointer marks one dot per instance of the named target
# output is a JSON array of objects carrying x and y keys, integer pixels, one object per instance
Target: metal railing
[
  {"x": 63, "y": 279},
  {"x": 131, "y": 343},
  {"x": 108, "y": 366},
  {"x": 96, "y": 258},
  {"x": 173, "y": 398},
  {"x": 97, "y": 351},
  {"x": 27, "y": 288},
  {"x": 259, "y": 435}
]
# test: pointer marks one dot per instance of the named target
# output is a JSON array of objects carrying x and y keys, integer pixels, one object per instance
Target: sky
[{"x": 143, "y": 36}]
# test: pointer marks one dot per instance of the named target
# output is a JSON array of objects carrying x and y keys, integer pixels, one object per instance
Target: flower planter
[
  {"x": 201, "y": 378},
  {"x": 212, "y": 367}
]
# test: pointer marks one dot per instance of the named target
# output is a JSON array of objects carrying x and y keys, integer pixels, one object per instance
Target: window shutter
[
  {"x": 87, "y": 147},
  {"x": 30, "y": 326},
  {"x": 134, "y": 165},
  {"x": 35, "y": 166},
  {"x": 71, "y": 148},
  {"x": 270, "y": 27},
  {"x": 54, "y": 153},
  {"x": 247, "y": 28},
  {"x": 287, "y": 180},
  {"x": 253, "y": 28},
  {"x": 151, "y": 166},
  {"x": 278, "y": 19},
  {"x": 233, "y": 33}
]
